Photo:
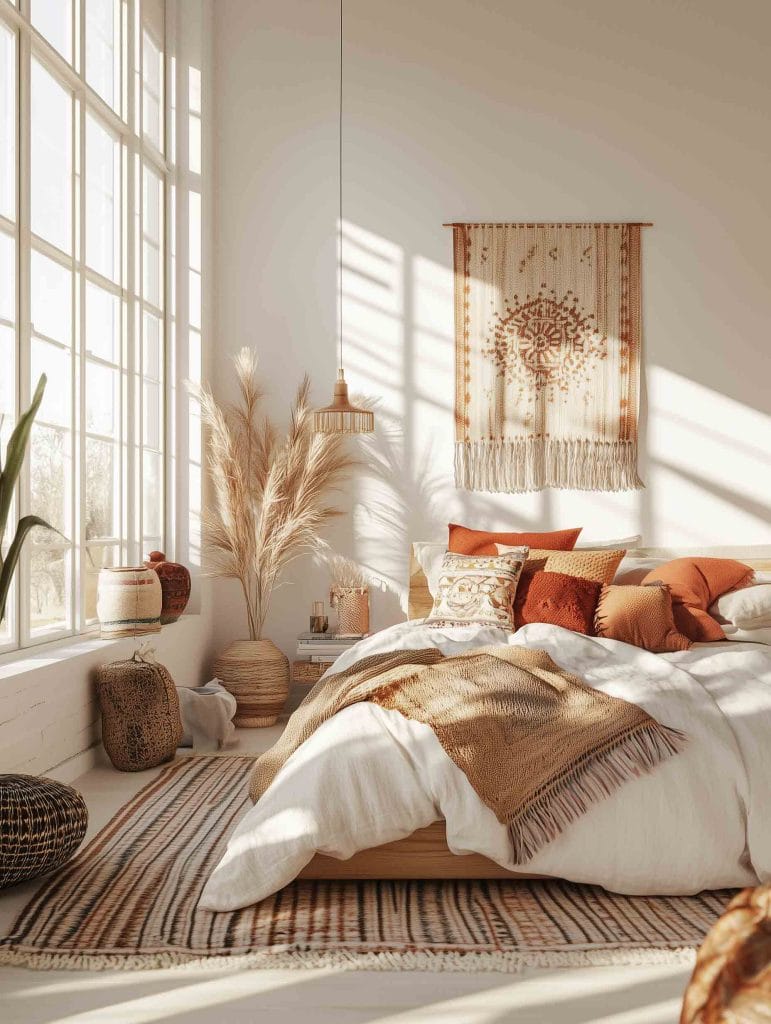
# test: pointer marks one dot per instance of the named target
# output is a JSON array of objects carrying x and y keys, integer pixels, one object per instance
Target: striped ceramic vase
[{"x": 128, "y": 601}]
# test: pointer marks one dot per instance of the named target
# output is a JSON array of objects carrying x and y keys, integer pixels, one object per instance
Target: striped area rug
[{"x": 129, "y": 900}]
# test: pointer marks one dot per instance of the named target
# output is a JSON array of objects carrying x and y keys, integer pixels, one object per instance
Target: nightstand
[{"x": 315, "y": 653}]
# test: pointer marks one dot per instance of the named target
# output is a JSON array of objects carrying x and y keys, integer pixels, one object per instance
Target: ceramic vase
[
  {"x": 129, "y": 601},
  {"x": 175, "y": 585}
]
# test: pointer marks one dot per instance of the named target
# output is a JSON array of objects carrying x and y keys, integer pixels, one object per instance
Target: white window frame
[{"x": 136, "y": 152}]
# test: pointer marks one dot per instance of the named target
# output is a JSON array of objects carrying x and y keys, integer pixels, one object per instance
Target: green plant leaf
[
  {"x": 15, "y": 452},
  {"x": 26, "y": 523}
]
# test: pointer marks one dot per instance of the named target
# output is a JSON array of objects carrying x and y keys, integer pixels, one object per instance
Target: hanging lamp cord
[{"x": 340, "y": 198}]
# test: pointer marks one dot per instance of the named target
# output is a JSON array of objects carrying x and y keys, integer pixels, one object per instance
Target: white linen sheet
[{"x": 370, "y": 776}]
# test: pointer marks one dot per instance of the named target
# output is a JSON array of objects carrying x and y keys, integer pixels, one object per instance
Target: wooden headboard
[{"x": 757, "y": 556}]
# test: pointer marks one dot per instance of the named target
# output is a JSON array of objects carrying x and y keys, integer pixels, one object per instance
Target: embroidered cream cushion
[{"x": 477, "y": 589}]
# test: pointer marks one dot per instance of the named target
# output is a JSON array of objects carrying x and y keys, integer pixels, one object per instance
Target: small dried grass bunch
[
  {"x": 269, "y": 493},
  {"x": 346, "y": 575}
]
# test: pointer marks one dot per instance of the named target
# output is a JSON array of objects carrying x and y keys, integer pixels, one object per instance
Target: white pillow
[
  {"x": 748, "y": 636},
  {"x": 609, "y": 545},
  {"x": 633, "y": 570},
  {"x": 748, "y": 608},
  {"x": 429, "y": 555}
]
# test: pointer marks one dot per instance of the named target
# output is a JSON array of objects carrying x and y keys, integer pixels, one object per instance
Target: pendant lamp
[{"x": 341, "y": 417}]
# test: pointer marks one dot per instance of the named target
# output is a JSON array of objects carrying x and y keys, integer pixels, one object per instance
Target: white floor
[{"x": 603, "y": 995}]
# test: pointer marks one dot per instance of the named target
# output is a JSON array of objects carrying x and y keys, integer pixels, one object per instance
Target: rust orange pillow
[
  {"x": 560, "y": 600},
  {"x": 465, "y": 541},
  {"x": 694, "y": 584},
  {"x": 641, "y": 616}
]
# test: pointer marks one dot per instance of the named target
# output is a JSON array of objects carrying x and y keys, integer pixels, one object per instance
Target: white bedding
[{"x": 369, "y": 776}]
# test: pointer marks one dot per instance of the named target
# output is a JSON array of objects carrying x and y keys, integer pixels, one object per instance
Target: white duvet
[{"x": 701, "y": 820}]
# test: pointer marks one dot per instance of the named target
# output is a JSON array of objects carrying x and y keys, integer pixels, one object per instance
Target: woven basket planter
[
  {"x": 257, "y": 674},
  {"x": 42, "y": 823},
  {"x": 129, "y": 601},
  {"x": 352, "y": 605},
  {"x": 141, "y": 722}
]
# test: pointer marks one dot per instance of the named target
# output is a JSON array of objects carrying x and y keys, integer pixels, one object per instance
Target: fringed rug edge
[{"x": 346, "y": 960}]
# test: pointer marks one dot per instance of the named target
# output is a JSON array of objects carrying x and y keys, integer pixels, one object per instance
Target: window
[{"x": 84, "y": 190}]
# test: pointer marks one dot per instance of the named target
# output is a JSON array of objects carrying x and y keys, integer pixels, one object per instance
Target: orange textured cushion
[
  {"x": 694, "y": 584},
  {"x": 641, "y": 616},
  {"x": 561, "y": 600},
  {"x": 599, "y": 566},
  {"x": 465, "y": 541}
]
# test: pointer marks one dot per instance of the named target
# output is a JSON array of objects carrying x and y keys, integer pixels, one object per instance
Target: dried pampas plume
[{"x": 269, "y": 493}]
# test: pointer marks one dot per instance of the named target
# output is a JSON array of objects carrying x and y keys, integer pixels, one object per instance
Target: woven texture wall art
[{"x": 547, "y": 356}]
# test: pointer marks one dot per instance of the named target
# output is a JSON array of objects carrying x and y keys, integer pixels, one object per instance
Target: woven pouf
[
  {"x": 141, "y": 723},
  {"x": 42, "y": 823},
  {"x": 257, "y": 674}
]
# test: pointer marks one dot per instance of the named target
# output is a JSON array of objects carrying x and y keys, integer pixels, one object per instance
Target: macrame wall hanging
[{"x": 547, "y": 356}]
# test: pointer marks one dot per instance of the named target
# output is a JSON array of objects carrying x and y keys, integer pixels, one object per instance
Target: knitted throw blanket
[{"x": 536, "y": 743}]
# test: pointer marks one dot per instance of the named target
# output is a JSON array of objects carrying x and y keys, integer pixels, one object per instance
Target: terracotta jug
[{"x": 175, "y": 585}]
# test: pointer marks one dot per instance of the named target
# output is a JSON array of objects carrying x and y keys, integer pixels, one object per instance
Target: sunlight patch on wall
[{"x": 709, "y": 463}]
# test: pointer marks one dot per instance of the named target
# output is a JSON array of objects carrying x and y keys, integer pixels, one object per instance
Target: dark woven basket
[
  {"x": 141, "y": 722},
  {"x": 42, "y": 823}
]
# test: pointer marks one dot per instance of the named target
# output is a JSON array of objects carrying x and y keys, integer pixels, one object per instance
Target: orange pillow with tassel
[{"x": 695, "y": 583}]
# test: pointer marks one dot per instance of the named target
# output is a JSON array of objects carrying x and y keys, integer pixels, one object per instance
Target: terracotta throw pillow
[
  {"x": 477, "y": 589},
  {"x": 597, "y": 566},
  {"x": 465, "y": 541},
  {"x": 560, "y": 600},
  {"x": 695, "y": 583},
  {"x": 641, "y": 616}
]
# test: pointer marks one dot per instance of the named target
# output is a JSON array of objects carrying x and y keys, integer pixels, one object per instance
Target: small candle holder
[{"x": 319, "y": 621}]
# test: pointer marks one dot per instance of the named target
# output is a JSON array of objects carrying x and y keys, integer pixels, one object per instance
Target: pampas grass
[{"x": 269, "y": 493}]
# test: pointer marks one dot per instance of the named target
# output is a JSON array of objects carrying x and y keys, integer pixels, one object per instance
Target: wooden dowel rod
[{"x": 550, "y": 224}]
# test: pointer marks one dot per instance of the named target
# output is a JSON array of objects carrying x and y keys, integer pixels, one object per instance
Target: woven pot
[
  {"x": 141, "y": 723},
  {"x": 129, "y": 601},
  {"x": 42, "y": 823},
  {"x": 257, "y": 674},
  {"x": 175, "y": 586},
  {"x": 352, "y": 606}
]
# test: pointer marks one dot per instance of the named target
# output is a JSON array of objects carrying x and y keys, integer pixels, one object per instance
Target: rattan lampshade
[{"x": 341, "y": 417}]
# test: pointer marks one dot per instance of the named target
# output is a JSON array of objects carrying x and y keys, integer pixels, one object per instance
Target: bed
[{"x": 372, "y": 795}]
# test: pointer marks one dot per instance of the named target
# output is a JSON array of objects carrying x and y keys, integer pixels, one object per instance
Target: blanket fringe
[
  {"x": 471, "y": 962},
  {"x": 560, "y": 803},
  {"x": 530, "y": 464}
]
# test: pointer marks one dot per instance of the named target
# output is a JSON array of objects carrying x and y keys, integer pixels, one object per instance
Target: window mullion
[
  {"x": 79, "y": 357},
  {"x": 131, "y": 336},
  {"x": 24, "y": 316}
]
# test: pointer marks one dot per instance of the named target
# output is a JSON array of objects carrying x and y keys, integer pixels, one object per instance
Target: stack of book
[
  {"x": 318, "y": 651},
  {"x": 324, "y": 647}
]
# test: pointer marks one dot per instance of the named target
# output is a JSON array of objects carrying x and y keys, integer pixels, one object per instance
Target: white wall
[{"x": 498, "y": 110}]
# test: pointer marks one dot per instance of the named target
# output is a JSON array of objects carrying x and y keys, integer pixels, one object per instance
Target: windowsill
[{"x": 66, "y": 649}]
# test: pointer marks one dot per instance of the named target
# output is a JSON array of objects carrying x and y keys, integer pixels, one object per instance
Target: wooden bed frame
[{"x": 425, "y": 853}]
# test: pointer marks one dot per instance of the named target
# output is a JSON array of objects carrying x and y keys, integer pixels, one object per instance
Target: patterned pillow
[{"x": 477, "y": 589}]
